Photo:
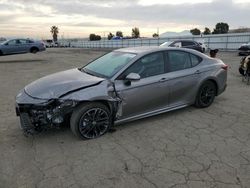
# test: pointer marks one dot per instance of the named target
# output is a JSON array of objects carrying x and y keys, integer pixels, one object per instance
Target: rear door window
[
  {"x": 178, "y": 60},
  {"x": 22, "y": 41},
  {"x": 187, "y": 43}
]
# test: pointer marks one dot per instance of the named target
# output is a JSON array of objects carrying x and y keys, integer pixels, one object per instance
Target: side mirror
[
  {"x": 133, "y": 77},
  {"x": 6, "y": 44}
]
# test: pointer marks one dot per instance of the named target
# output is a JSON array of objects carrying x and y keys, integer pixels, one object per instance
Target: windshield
[{"x": 109, "y": 64}]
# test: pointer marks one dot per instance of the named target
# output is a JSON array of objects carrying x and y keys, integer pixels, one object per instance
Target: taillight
[{"x": 225, "y": 67}]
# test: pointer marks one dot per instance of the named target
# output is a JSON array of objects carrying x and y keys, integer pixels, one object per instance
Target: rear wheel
[
  {"x": 90, "y": 120},
  {"x": 34, "y": 50},
  {"x": 206, "y": 95},
  {"x": 1, "y": 53}
]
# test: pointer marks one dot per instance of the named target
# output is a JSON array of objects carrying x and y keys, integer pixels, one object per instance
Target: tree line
[
  {"x": 135, "y": 34},
  {"x": 220, "y": 28}
]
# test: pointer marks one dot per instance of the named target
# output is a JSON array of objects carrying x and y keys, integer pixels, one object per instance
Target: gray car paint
[
  {"x": 146, "y": 97},
  {"x": 55, "y": 85}
]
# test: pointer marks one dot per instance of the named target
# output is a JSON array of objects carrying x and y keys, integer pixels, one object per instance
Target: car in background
[
  {"x": 204, "y": 46},
  {"x": 48, "y": 43},
  {"x": 244, "y": 49},
  {"x": 184, "y": 44},
  {"x": 120, "y": 87},
  {"x": 2, "y": 39},
  {"x": 19, "y": 46}
]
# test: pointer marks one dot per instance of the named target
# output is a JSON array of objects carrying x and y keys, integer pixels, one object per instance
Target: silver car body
[
  {"x": 18, "y": 46},
  {"x": 142, "y": 98}
]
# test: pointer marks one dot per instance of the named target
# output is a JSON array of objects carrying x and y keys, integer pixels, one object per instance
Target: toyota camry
[{"x": 123, "y": 85}]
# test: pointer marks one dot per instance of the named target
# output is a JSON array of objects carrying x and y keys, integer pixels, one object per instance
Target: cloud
[{"x": 110, "y": 13}]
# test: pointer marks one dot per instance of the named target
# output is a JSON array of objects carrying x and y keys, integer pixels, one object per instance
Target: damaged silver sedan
[{"x": 121, "y": 86}]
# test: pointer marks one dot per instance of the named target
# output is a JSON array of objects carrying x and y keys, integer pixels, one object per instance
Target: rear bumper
[{"x": 222, "y": 90}]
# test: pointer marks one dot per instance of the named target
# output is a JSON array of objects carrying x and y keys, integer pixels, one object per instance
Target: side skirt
[{"x": 148, "y": 114}]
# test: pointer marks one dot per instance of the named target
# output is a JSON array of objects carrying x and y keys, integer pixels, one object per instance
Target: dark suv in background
[{"x": 184, "y": 44}]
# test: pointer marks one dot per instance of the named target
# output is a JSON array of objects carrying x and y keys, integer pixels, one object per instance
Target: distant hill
[{"x": 175, "y": 34}]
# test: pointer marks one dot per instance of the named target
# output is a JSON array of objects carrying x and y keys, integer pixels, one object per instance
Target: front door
[
  {"x": 147, "y": 94},
  {"x": 10, "y": 47}
]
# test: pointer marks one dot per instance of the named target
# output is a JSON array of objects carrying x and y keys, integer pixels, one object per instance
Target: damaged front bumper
[{"x": 38, "y": 114}]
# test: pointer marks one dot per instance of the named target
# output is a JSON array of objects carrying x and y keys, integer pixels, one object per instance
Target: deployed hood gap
[{"x": 72, "y": 91}]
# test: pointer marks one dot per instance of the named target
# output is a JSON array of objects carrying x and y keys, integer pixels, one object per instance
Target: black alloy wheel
[
  {"x": 90, "y": 120},
  {"x": 94, "y": 123},
  {"x": 206, "y": 95},
  {"x": 34, "y": 50}
]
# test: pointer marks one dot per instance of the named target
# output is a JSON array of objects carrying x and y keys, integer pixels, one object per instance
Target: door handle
[
  {"x": 163, "y": 80},
  {"x": 197, "y": 72}
]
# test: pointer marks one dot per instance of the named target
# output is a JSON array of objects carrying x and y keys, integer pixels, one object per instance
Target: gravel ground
[{"x": 185, "y": 148}]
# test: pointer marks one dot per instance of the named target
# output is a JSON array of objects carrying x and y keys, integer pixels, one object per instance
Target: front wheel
[
  {"x": 206, "y": 95},
  {"x": 90, "y": 120}
]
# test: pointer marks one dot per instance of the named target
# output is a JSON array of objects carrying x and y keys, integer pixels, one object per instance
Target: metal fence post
[
  {"x": 227, "y": 43},
  {"x": 208, "y": 42}
]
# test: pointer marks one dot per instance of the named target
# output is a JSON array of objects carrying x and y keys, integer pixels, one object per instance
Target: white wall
[{"x": 222, "y": 41}]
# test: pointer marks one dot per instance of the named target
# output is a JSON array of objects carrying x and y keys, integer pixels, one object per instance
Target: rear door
[
  {"x": 24, "y": 45},
  {"x": 183, "y": 77}
]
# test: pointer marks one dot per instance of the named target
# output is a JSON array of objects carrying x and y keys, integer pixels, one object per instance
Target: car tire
[
  {"x": 1, "y": 53},
  {"x": 205, "y": 95},
  {"x": 34, "y": 50},
  {"x": 90, "y": 120}
]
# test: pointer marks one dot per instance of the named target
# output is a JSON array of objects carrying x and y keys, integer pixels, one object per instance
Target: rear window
[{"x": 178, "y": 60}]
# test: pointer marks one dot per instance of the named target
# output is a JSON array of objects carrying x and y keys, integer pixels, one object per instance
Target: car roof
[
  {"x": 184, "y": 40},
  {"x": 139, "y": 50},
  {"x": 150, "y": 49},
  {"x": 19, "y": 39}
]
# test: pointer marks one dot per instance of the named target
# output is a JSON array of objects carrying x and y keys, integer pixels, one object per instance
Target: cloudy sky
[{"x": 79, "y": 18}]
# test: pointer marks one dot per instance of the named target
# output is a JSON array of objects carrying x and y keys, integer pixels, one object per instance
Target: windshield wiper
[
  {"x": 83, "y": 70},
  {"x": 91, "y": 73}
]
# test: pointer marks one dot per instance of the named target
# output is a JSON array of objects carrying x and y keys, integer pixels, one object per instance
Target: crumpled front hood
[{"x": 58, "y": 84}]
